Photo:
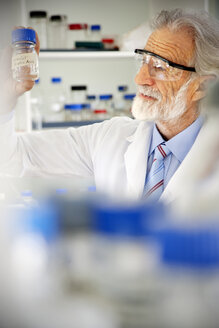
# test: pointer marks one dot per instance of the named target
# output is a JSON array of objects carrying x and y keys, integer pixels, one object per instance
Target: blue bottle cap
[
  {"x": 86, "y": 106},
  {"x": 105, "y": 97},
  {"x": 122, "y": 87},
  {"x": 91, "y": 97},
  {"x": 131, "y": 220},
  {"x": 23, "y": 34},
  {"x": 196, "y": 248},
  {"x": 56, "y": 79},
  {"x": 129, "y": 96},
  {"x": 73, "y": 106},
  {"x": 95, "y": 27},
  {"x": 37, "y": 81}
]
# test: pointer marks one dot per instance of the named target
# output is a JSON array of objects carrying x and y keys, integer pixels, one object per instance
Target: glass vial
[
  {"x": 25, "y": 64},
  {"x": 57, "y": 32},
  {"x": 38, "y": 21}
]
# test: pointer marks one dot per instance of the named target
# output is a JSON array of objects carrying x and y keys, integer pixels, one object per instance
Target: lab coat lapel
[
  {"x": 136, "y": 158},
  {"x": 192, "y": 167}
]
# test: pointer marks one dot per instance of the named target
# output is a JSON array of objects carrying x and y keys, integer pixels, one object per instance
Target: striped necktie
[{"x": 155, "y": 178}]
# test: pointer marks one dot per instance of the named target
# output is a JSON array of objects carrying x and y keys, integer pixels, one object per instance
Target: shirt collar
[{"x": 181, "y": 143}]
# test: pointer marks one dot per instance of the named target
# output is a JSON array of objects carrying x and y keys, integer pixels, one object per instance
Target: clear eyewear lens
[{"x": 158, "y": 69}]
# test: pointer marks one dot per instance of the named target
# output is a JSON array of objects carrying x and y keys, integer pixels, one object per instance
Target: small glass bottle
[
  {"x": 128, "y": 103},
  {"x": 95, "y": 33},
  {"x": 120, "y": 103},
  {"x": 105, "y": 102},
  {"x": 78, "y": 94},
  {"x": 24, "y": 57},
  {"x": 38, "y": 21},
  {"x": 73, "y": 112},
  {"x": 57, "y": 32},
  {"x": 54, "y": 109}
]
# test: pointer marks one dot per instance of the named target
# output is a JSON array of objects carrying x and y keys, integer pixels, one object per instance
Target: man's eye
[{"x": 159, "y": 68}]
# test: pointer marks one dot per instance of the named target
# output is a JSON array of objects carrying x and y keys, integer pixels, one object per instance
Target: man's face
[{"x": 158, "y": 99}]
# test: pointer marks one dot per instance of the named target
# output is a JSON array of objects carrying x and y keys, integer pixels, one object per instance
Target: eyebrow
[{"x": 187, "y": 68}]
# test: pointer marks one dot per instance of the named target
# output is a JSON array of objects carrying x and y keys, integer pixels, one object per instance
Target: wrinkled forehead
[{"x": 177, "y": 46}]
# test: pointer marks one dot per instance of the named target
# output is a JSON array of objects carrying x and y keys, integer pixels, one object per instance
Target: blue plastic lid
[
  {"x": 190, "y": 247},
  {"x": 23, "y": 34},
  {"x": 37, "y": 81},
  {"x": 122, "y": 87},
  {"x": 56, "y": 79},
  {"x": 129, "y": 96},
  {"x": 95, "y": 27},
  {"x": 105, "y": 97},
  {"x": 86, "y": 106},
  {"x": 91, "y": 97},
  {"x": 73, "y": 106},
  {"x": 125, "y": 219}
]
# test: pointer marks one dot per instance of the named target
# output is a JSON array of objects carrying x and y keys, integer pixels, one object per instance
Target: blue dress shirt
[{"x": 179, "y": 146}]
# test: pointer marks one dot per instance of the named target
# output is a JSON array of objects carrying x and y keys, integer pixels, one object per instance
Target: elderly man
[{"x": 151, "y": 156}]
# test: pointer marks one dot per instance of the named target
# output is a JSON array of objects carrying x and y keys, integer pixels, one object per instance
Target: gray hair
[{"x": 204, "y": 30}]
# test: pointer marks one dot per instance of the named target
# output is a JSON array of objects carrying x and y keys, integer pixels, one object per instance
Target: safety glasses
[{"x": 160, "y": 68}]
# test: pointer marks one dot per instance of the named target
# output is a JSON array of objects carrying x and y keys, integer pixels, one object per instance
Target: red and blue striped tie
[{"x": 155, "y": 179}]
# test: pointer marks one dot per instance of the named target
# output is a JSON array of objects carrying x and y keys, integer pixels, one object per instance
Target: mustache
[{"x": 148, "y": 91}]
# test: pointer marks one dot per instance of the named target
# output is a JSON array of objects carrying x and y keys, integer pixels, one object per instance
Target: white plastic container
[
  {"x": 38, "y": 21},
  {"x": 120, "y": 103}
]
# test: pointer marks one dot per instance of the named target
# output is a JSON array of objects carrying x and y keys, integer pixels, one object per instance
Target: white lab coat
[{"x": 114, "y": 153}]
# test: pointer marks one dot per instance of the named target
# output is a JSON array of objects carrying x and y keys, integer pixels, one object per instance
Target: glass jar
[
  {"x": 54, "y": 109},
  {"x": 76, "y": 32},
  {"x": 78, "y": 94},
  {"x": 105, "y": 103},
  {"x": 73, "y": 112},
  {"x": 108, "y": 44},
  {"x": 120, "y": 103},
  {"x": 38, "y": 21},
  {"x": 24, "y": 57},
  {"x": 57, "y": 32},
  {"x": 95, "y": 33},
  {"x": 128, "y": 103}
]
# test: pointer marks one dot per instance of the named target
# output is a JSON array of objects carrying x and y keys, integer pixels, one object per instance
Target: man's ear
[{"x": 197, "y": 88}]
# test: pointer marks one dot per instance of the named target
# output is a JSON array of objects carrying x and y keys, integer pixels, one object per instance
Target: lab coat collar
[{"x": 136, "y": 158}]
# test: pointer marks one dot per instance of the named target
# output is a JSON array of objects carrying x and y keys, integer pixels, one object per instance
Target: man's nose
[{"x": 143, "y": 77}]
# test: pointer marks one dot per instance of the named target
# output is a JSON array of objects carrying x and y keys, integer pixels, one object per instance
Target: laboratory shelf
[
  {"x": 48, "y": 125},
  {"x": 72, "y": 54}
]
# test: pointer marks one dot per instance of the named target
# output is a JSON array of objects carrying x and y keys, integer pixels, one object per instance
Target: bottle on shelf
[
  {"x": 108, "y": 43},
  {"x": 95, "y": 33},
  {"x": 128, "y": 103},
  {"x": 76, "y": 32},
  {"x": 57, "y": 32},
  {"x": 78, "y": 94},
  {"x": 92, "y": 100},
  {"x": 105, "y": 103},
  {"x": 86, "y": 114},
  {"x": 119, "y": 103},
  {"x": 73, "y": 112},
  {"x": 37, "y": 105},
  {"x": 38, "y": 21},
  {"x": 54, "y": 110}
]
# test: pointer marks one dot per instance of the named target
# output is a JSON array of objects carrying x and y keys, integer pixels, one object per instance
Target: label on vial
[{"x": 23, "y": 60}]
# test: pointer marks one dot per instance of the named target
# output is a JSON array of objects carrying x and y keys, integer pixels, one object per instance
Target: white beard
[{"x": 148, "y": 110}]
